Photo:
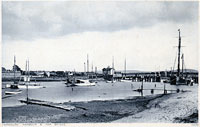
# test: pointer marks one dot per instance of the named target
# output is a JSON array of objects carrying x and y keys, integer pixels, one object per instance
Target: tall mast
[
  {"x": 92, "y": 68},
  {"x": 95, "y": 69},
  {"x": 87, "y": 63},
  {"x": 179, "y": 50},
  {"x": 27, "y": 78},
  {"x": 28, "y": 71},
  {"x": 125, "y": 67},
  {"x": 113, "y": 63},
  {"x": 182, "y": 57},
  {"x": 14, "y": 68},
  {"x": 26, "y": 68},
  {"x": 84, "y": 68}
]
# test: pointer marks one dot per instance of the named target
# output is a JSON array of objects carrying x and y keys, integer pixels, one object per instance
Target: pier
[{"x": 48, "y": 104}]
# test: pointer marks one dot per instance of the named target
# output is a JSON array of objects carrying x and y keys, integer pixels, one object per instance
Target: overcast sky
[{"x": 59, "y": 35}]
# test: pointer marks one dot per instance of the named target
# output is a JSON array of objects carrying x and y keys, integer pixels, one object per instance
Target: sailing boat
[
  {"x": 73, "y": 81},
  {"x": 27, "y": 83},
  {"x": 178, "y": 79},
  {"x": 13, "y": 85}
]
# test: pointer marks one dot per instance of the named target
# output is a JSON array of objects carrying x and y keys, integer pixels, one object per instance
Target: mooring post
[
  {"x": 142, "y": 85},
  {"x": 152, "y": 91},
  {"x": 165, "y": 91}
]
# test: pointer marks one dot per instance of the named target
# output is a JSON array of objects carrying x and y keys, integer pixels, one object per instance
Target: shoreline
[
  {"x": 167, "y": 108},
  {"x": 178, "y": 108},
  {"x": 92, "y": 111}
]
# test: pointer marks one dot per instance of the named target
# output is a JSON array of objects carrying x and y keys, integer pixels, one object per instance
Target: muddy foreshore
[
  {"x": 88, "y": 112},
  {"x": 92, "y": 112}
]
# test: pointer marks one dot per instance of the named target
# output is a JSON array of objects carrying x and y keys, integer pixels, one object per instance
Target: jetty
[
  {"x": 49, "y": 104},
  {"x": 177, "y": 90}
]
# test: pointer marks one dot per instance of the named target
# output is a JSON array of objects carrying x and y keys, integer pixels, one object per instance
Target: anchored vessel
[
  {"x": 178, "y": 78},
  {"x": 26, "y": 83},
  {"x": 80, "y": 82},
  {"x": 13, "y": 85}
]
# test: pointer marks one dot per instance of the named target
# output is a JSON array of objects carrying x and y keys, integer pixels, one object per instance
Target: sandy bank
[
  {"x": 94, "y": 111},
  {"x": 175, "y": 108}
]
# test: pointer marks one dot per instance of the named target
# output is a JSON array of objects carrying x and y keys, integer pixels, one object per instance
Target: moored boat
[
  {"x": 13, "y": 85},
  {"x": 178, "y": 78},
  {"x": 12, "y": 92},
  {"x": 31, "y": 85},
  {"x": 80, "y": 82}
]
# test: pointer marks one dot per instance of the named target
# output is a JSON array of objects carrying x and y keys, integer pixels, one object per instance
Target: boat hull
[
  {"x": 29, "y": 86},
  {"x": 81, "y": 83},
  {"x": 23, "y": 86},
  {"x": 12, "y": 92}
]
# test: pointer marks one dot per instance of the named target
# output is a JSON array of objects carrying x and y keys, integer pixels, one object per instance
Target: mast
[
  {"x": 87, "y": 63},
  {"x": 84, "y": 68},
  {"x": 14, "y": 68},
  {"x": 96, "y": 72},
  {"x": 179, "y": 50},
  {"x": 95, "y": 69},
  {"x": 27, "y": 79},
  {"x": 113, "y": 72},
  {"x": 92, "y": 68},
  {"x": 125, "y": 67},
  {"x": 113, "y": 63},
  {"x": 28, "y": 72},
  {"x": 182, "y": 57}
]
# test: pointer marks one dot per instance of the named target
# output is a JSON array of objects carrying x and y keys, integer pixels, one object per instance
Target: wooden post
[
  {"x": 142, "y": 85},
  {"x": 165, "y": 91}
]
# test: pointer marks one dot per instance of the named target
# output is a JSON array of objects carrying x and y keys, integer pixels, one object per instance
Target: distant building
[
  {"x": 60, "y": 73},
  {"x": 117, "y": 75},
  {"x": 108, "y": 73},
  {"x": 11, "y": 74},
  {"x": 40, "y": 73}
]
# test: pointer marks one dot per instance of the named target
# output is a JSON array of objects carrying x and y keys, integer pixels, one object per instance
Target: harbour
[
  {"x": 100, "y": 62},
  {"x": 106, "y": 94},
  {"x": 77, "y": 92},
  {"x": 102, "y": 94},
  {"x": 58, "y": 92}
]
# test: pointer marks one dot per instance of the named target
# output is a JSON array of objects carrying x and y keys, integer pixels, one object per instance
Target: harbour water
[{"x": 58, "y": 92}]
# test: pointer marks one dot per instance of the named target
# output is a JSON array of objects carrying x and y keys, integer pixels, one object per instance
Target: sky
[{"x": 59, "y": 35}]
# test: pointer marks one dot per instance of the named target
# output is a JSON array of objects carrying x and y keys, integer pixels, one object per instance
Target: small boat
[
  {"x": 81, "y": 82},
  {"x": 138, "y": 90},
  {"x": 12, "y": 92},
  {"x": 12, "y": 86},
  {"x": 165, "y": 80},
  {"x": 31, "y": 85},
  {"x": 27, "y": 84}
]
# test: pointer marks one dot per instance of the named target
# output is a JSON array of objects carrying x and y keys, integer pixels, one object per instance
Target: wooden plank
[{"x": 49, "y": 104}]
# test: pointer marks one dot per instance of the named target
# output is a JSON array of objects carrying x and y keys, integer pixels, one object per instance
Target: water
[{"x": 58, "y": 92}]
